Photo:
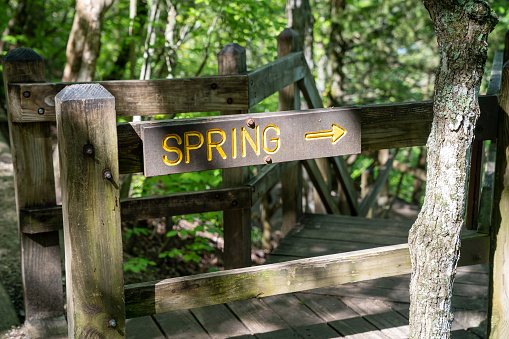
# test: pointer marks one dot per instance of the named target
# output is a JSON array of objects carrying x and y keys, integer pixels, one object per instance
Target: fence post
[
  {"x": 498, "y": 314},
  {"x": 236, "y": 223},
  {"x": 287, "y": 42},
  {"x": 35, "y": 187},
  {"x": 87, "y": 141}
]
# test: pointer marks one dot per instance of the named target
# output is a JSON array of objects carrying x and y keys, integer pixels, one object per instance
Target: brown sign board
[{"x": 188, "y": 145}]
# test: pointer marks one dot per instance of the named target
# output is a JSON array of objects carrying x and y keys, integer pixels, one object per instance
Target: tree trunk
[
  {"x": 462, "y": 30},
  {"x": 84, "y": 42}
]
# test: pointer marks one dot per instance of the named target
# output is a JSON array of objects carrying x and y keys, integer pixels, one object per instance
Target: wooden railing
[{"x": 91, "y": 210}]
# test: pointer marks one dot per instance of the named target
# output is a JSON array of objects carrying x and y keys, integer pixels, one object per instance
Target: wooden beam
[
  {"x": 381, "y": 179},
  {"x": 498, "y": 313},
  {"x": 496, "y": 74},
  {"x": 320, "y": 186},
  {"x": 308, "y": 88},
  {"x": 344, "y": 177},
  {"x": 40, "y": 220},
  {"x": 273, "y": 77},
  {"x": 486, "y": 201},
  {"x": 382, "y": 126},
  {"x": 266, "y": 178},
  {"x": 292, "y": 276},
  {"x": 142, "y": 97},
  {"x": 236, "y": 223},
  {"x": 87, "y": 140},
  {"x": 34, "y": 184},
  {"x": 291, "y": 183}
]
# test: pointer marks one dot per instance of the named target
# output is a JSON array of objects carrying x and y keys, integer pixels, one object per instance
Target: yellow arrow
[{"x": 334, "y": 134}]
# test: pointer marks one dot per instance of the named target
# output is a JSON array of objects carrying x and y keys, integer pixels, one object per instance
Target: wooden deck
[{"x": 370, "y": 309}]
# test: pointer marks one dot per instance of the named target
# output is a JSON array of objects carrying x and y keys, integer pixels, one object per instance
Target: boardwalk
[{"x": 371, "y": 309}]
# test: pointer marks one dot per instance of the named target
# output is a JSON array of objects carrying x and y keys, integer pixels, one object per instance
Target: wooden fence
[{"x": 95, "y": 150}]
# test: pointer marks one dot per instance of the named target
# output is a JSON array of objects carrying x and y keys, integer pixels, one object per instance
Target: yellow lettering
[
  {"x": 188, "y": 146},
  {"x": 172, "y": 149},
  {"x": 276, "y": 140},
  {"x": 245, "y": 136},
  {"x": 234, "y": 143},
  {"x": 216, "y": 144}
]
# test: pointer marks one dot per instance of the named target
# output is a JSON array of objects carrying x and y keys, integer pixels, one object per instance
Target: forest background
[{"x": 361, "y": 52}]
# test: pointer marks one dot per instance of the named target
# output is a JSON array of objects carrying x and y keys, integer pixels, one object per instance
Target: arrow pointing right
[{"x": 335, "y": 133}]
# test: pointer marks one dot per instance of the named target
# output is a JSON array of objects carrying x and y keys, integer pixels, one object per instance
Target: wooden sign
[{"x": 189, "y": 145}]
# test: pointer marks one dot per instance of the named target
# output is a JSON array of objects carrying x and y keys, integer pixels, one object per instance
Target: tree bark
[
  {"x": 462, "y": 30},
  {"x": 84, "y": 42}
]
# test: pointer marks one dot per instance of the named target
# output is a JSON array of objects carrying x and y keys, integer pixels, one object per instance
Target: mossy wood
[
  {"x": 34, "y": 185},
  {"x": 91, "y": 211},
  {"x": 292, "y": 276}
]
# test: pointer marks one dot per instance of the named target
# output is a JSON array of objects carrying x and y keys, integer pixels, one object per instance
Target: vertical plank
[
  {"x": 287, "y": 42},
  {"x": 87, "y": 142},
  {"x": 474, "y": 184},
  {"x": 34, "y": 187},
  {"x": 236, "y": 223},
  {"x": 498, "y": 313}
]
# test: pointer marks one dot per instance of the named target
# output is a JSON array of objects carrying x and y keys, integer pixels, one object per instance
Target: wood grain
[
  {"x": 273, "y": 279},
  {"x": 143, "y": 97},
  {"x": 40, "y": 220},
  {"x": 35, "y": 187},
  {"x": 91, "y": 211}
]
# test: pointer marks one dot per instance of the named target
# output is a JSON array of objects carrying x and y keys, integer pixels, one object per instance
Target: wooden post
[
  {"x": 498, "y": 313},
  {"x": 87, "y": 141},
  {"x": 287, "y": 42},
  {"x": 236, "y": 223},
  {"x": 35, "y": 187}
]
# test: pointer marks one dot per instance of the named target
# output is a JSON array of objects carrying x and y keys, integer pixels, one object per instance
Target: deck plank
[
  {"x": 257, "y": 316},
  {"x": 357, "y": 328},
  {"x": 180, "y": 325},
  {"x": 317, "y": 331},
  {"x": 219, "y": 321},
  {"x": 291, "y": 310},
  {"x": 144, "y": 327}
]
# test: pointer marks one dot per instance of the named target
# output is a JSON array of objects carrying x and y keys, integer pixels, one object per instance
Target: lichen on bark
[{"x": 462, "y": 28}]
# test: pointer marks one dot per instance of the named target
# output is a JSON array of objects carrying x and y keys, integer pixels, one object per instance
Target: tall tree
[
  {"x": 84, "y": 43},
  {"x": 462, "y": 29}
]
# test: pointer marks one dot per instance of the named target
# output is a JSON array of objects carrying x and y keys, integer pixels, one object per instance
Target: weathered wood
[
  {"x": 291, "y": 183},
  {"x": 308, "y": 88},
  {"x": 273, "y": 77},
  {"x": 40, "y": 220},
  {"x": 320, "y": 186},
  {"x": 269, "y": 175},
  {"x": 90, "y": 202},
  {"x": 236, "y": 223},
  {"x": 339, "y": 166},
  {"x": 144, "y": 327},
  {"x": 181, "y": 325},
  {"x": 382, "y": 126},
  {"x": 55, "y": 327},
  {"x": 34, "y": 185},
  {"x": 498, "y": 314},
  {"x": 218, "y": 320},
  {"x": 486, "y": 201},
  {"x": 293, "y": 276},
  {"x": 143, "y": 97},
  {"x": 257, "y": 316},
  {"x": 291, "y": 310},
  {"x": 474, "y": 185},
  {"x": 383, "y": 175},
  {"x": 496, "y": 74}
]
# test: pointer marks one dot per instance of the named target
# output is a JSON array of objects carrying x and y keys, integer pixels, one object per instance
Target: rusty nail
[
  {"x": 213, "y": 86},
  {"x": 26, "y": 94},
  {"x": 267, "y": 159},
  {"x": 112, "y": 323},
  {"x": 40, "y": 111},
  {"x": 88, "y": 150},
  {"x": 250, "y": 123},
  {"x": 229, "y": 101},
  {"x": 107, "y": 174},
  {"x": 234, "y": 203}
]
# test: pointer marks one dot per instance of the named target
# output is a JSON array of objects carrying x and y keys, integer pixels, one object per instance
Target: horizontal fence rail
[
  {"x": 293, "y": 276},
  {"x": 382, "y": 126},
  {"x": 167, "y": 96}
]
